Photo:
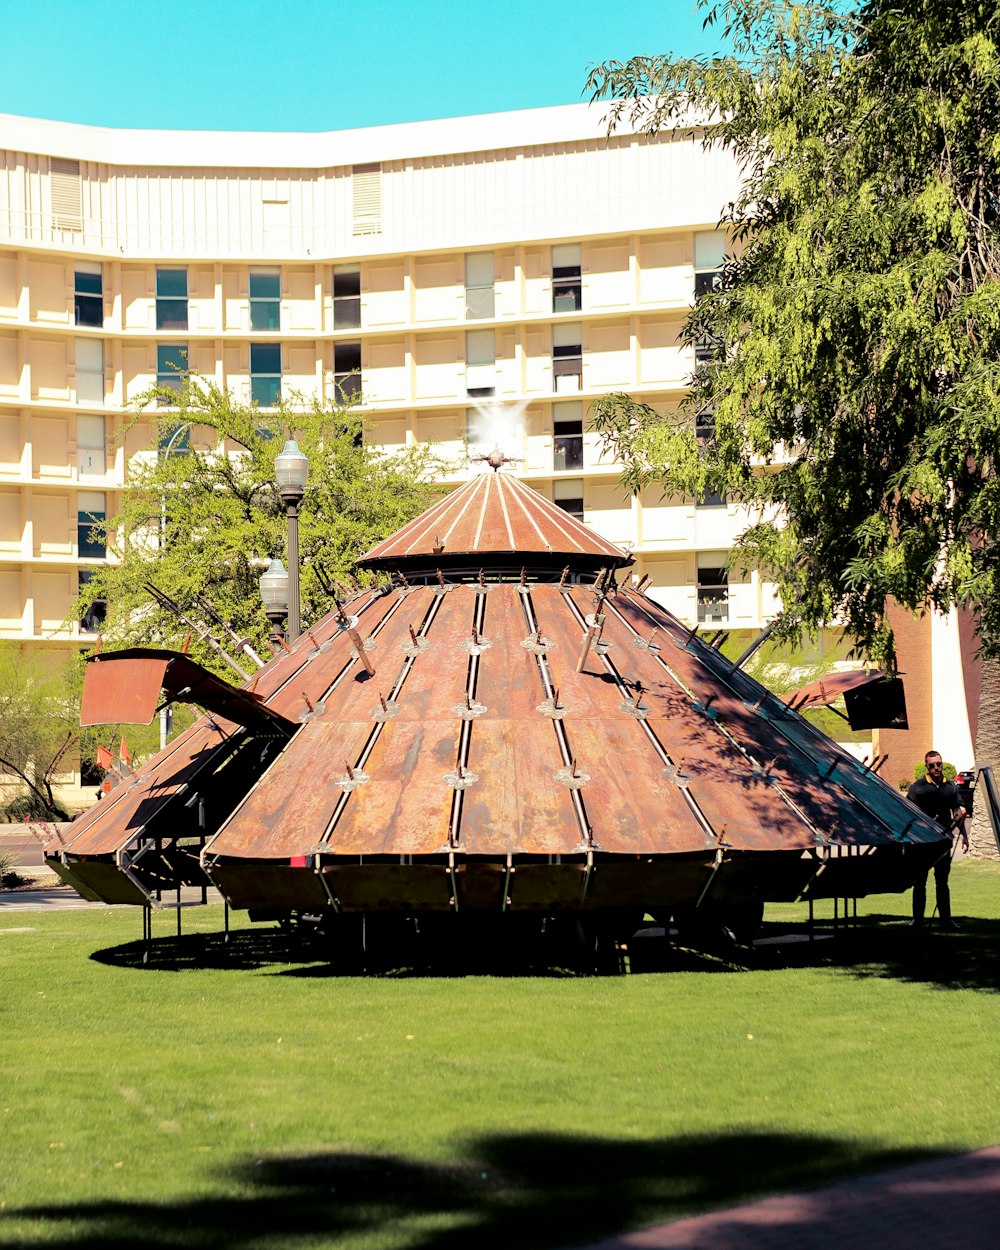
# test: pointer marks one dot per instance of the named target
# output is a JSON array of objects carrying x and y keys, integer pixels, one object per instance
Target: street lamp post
[
  {"x": 167, "y": 713},
  {"x": 274, "y": 592},
  {"x": 291, "y": 468}
]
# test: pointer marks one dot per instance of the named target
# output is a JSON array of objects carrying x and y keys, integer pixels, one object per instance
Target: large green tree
[
  {"x": 200, "y": 513},
  {"x": 854, "y": 335}
]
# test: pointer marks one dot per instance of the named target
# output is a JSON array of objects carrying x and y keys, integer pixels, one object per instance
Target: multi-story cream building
[{"x": 480, "y": 281}]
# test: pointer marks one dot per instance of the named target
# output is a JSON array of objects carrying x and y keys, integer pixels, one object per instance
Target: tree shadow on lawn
[{"x": 535, "y": 1191}]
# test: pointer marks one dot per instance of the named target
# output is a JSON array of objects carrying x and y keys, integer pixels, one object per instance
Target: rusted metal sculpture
[{"x": 505, "y": 725}]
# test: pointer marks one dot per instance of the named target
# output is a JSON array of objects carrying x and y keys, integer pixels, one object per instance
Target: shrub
[
  {"x": 920, "y": 771},
  {"x": 8, "y": 873},
  {"x": 26, "y": 807}
]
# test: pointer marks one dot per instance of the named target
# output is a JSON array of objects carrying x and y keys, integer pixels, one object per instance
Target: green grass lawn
[{"x": 267, "y": 1103}]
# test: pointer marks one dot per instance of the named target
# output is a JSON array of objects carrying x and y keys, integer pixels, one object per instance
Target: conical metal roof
[
  {"x": 550, "y": 742},
  {"x": 494, "y": 520}
]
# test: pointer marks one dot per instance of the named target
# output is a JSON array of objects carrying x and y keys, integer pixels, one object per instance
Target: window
[
  {"x": 171, "y": 299},
  {"x": 90, "y": 371},
  {"x": 175, "y": 439},
  {"x": 567, "y": 493},
  {"x": 171, "y": 370},
  {"x": 567, "y": 289},
  {"x": 567, "y": 443},
  {"x": 90, "y": 507},
  {"x": 346, "y": 297},
  {"x": 347, "y": 373},
  {"x": 480, "y": 363},
  {"x": 265, "y": 374},
  {"x": 480, "y": 301},
  {"x": 67, "y": 194},
  {"x": 96, "y": 614},
  {"x": 709, "y": 258},
  {"x": 567, "y": 356},
  {"x": 91, "y": 458},
  {"x": 712, "y": 499},
  {"x": 265, "y": 299},
  {"x": 713, "y": 588},
  {"x": 704, "y": 427},
  {"x": 366, "y": 199},
  {"x": 88, "y": 295}
]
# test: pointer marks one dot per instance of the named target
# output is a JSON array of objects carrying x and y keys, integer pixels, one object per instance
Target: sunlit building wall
[{"x": 471, "y": 282}]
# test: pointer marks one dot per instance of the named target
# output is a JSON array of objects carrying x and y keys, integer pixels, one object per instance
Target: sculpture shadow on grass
[
  {"x": 536, "y": 1191},
  {"x": 880, "y": 946},
  {"x": 297, "y": 953}
]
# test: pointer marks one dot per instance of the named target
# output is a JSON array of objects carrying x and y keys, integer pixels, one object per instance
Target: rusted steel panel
[
  {"x": 288, "y": 811},
  {"x": 492, "y": 514},
  {"x": 68, "y": 877},
  {"x": 631, "y": 807},
  {"x": 547, "y": 887},
  {"x": 706, "y": 675},
  {"x": 829, "y": 688},
  {"x": 477, "y": 521},
  {"x": 122, "y": 691},
  {"x": 105, "y": 879},
  {"x": 118, "y": 819},
  {"x": 406, "y": 806},
  {"x": 390, "y": 887},
  {"x": 740, "y": 807},
  {"x": 481, "y": 884},
  {"x": 269, "y": 884},
  {"x": 510, "y": 685},
  {"x": 309, "y": 672},
  {"x": 436, "y": 682},
  {"x": 642, "y": 883},
  {"x": 744, "y": 811},
  {"x": 517, "y": 804}
]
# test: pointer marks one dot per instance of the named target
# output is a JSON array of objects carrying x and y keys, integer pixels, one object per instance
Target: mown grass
[{"x": 261, "y": 1102}]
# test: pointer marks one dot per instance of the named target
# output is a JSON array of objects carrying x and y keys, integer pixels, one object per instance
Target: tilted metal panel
[
  {"x": 114, "y": 822},
  {"x": 740, "y": 808},
  {"x": 806, "y": 768},
  {"x": 516, "y": 805},
  {"x": 492, "y": 514},
  {"x": 122, "y": 688}
]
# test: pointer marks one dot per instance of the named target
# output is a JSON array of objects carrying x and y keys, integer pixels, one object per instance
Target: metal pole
[
  {"x": 166, "y": 715},
  {"x": 294, "y": 599}
]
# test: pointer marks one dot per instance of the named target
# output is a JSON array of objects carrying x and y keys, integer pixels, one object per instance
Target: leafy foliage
[
  {"x": 855, "y": 372},
  {"x": 38, "y": 731},
  {"x": 202, "y": 518}
]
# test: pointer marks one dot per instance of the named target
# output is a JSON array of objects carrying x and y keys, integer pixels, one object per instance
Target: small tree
[
  {"x": 854, "y": 338},
  {"x": 38, "y": 730},
  {"x": 199, "y": 519}
]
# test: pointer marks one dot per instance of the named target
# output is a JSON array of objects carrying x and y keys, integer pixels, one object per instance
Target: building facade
[{"x": 472, "y": 282}]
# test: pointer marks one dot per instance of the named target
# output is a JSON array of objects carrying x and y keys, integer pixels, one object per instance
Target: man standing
[{"x": 940, "y": 800}]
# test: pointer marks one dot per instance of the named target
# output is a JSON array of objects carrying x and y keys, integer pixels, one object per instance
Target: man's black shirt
[{"x": 937, "y": 801}]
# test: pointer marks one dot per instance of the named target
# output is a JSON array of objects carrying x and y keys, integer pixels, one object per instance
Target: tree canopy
[
  {"x": 853, "y": 362},
  {"x": 200, "y": 513}
]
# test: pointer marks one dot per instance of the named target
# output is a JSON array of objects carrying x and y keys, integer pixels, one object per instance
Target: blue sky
[{"x": 300, "y": 65}]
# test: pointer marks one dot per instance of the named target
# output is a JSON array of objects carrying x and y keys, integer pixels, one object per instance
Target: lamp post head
[
  {"x": 274, "y": 591},
  {"x": 291, "y": 468}
]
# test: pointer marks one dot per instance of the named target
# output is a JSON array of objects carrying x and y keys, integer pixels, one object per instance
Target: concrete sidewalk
[{"x": 949, "y": 1204}]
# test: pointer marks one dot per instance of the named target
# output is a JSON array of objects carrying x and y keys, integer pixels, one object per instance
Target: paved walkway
[{"x": 948, "y": 1204}]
